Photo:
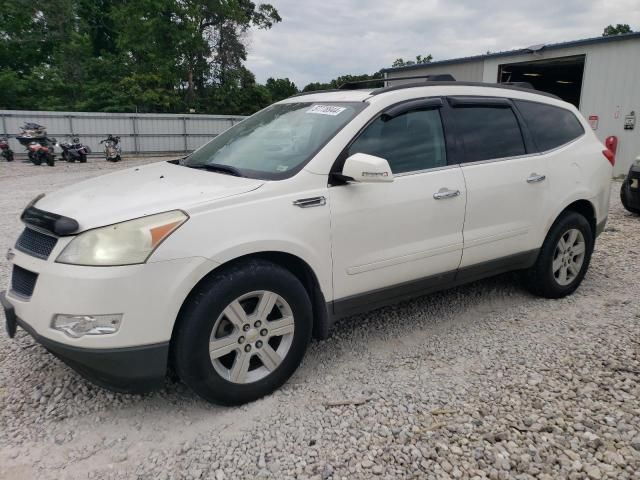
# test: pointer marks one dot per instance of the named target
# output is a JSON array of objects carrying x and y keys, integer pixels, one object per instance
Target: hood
[{"x": 141, "y": 191}]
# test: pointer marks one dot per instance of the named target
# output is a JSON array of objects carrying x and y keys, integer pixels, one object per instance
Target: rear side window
[
  {"x": 488, "y": 132},
  {"x": 410, "y": 142},
  {"x": 550, "y": 126}
]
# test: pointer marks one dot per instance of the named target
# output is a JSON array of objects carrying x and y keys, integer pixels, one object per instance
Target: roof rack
[
  {"x": 518, "y": 86},
  {"x": 311, "y": 92},
  {"x": 433, "y": 80},
  {"x": 355, "y": 85}
]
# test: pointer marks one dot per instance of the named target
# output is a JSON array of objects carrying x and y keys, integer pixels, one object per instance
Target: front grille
[
  {"x": 23, "y": 281},
  {"x": 35, "y": 243}
]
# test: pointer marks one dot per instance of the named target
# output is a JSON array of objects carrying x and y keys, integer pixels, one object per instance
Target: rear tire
[
  {"x": 259, "y": 351},
  {"x": 83, "y": 159},
  {"x": 625, "y": 200},
  {"x": 563, "y": 259}
]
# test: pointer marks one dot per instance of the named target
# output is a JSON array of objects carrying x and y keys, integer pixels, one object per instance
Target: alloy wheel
[
  {"x": 568, "y": 257},
  {"x": 251, "y": 337}
]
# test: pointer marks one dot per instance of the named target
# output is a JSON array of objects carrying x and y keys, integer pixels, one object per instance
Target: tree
[
  {"x": 619, "y": 29},
  {"x": 130, "y": 55},
  {"x": 418, "y": 61},
  {"x": 280, "y": 88},
  {"x": 341, "y": 80}
]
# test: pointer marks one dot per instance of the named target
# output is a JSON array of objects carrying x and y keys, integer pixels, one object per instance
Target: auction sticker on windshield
[{"x": 326, "y": 110}]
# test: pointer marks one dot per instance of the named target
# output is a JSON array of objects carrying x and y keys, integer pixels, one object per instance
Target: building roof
[{"x": 520, "y": 51}]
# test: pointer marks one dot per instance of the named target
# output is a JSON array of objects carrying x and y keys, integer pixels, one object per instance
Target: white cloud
[{"x": 318, "y": 41}]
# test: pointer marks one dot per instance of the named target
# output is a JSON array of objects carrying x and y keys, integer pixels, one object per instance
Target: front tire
[
  {"x": 563, "y": 259},
  {"x": 243, "y": 333}
]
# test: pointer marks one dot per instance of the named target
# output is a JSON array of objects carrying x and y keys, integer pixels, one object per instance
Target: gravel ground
[{"x": 480, "y": 381}]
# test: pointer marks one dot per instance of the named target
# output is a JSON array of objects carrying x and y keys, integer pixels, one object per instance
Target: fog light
[{"x": 77, "y": 326}]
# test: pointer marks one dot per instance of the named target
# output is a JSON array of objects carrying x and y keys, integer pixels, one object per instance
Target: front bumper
[
  {"x": 129, "y": 369},
  {"x": 148, "y": 296}
]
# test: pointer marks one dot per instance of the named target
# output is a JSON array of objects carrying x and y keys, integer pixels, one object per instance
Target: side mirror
[{"x": 364, "y": 168}]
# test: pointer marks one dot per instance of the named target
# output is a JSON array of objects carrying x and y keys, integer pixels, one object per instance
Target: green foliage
[
  {"x": 337, "y": 82},
  {"x": 280, "y": 88},
  {"x": 132, "y": 55},
  {"x": 619, "y": 29},
  {"x": 418, "y": 61}
]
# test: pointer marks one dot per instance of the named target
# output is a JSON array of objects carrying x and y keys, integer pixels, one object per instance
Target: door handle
[
  {"x": 535, "y": 178},
  {"x": 445, "y": 193}
]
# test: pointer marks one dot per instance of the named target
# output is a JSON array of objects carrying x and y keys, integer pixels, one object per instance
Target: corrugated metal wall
[
  {"x": 467, "y": 71},
  {"x": 139, "y": 133}
]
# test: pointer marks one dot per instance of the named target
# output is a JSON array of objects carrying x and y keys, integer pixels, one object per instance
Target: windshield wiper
[{"x": 218, "y": 167}]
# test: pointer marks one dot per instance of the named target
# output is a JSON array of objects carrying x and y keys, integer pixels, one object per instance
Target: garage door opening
[{"x": 561, "y": 76}]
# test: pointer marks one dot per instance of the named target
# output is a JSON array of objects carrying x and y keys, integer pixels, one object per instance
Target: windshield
[{"x": 276, "y": 142}]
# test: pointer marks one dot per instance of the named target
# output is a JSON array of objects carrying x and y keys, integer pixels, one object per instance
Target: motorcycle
[
  {"x": 7, "y": 153},
  {"x": 42, "y": 152},
  {"x": 40, "y": 148},
  {"x": 74, "y": 150},
  {"x": 112, "y": 150}
]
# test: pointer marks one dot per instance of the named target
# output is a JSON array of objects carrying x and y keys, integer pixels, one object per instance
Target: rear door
[
  {"x": 506, "y": 181},
  {"x": 388, "y": 238}
]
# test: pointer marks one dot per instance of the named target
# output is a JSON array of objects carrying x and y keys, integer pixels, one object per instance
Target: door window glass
[
  {"x": 410, "y": 142},
  {"x": 488, "y": 132}
]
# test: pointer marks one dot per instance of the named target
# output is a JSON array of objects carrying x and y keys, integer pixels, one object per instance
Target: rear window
[
  {"x": 550, "y": 126},
  {"x": 488, "y": 132}
]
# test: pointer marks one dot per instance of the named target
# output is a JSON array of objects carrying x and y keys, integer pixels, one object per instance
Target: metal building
[{"x": 601, "y": 76}]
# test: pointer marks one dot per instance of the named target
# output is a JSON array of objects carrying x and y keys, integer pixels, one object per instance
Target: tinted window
[
  {"x": 409, "y": 142},
  {"x": 550, "y": 126},
  {"x": 488, "y": 132}
]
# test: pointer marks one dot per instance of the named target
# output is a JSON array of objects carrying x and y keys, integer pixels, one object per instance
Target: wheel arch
[
  {"x": 582, "y": 206},
  {"x": 296, "y": 265}
]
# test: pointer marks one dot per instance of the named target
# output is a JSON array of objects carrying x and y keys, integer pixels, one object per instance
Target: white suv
[{"x": 224, "y": 264}]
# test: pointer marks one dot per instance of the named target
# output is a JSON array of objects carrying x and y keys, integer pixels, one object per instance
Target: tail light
[{"x": 609, "y": 155}]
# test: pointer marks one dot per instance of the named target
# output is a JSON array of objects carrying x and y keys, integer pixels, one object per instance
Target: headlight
[{"x": 125, "y": 243}]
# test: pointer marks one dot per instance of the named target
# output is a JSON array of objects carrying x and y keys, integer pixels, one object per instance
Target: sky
[{"x": 322, "y": 39}]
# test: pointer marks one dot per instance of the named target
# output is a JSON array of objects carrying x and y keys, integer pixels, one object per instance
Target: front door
[{"x": 389, "y": 240}]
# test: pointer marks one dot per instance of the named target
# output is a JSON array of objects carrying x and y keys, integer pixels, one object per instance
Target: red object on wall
[
  {"x": 612, "y": 147},
  {"x": 612, "y": 143}
]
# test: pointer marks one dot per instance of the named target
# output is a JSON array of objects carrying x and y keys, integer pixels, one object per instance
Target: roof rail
[
  {"x": 443, "y": 77},
  {"x": 311, "y": 92},
  {"x": 514, "y": 86},
  {"x": 519, "y": 84}
]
